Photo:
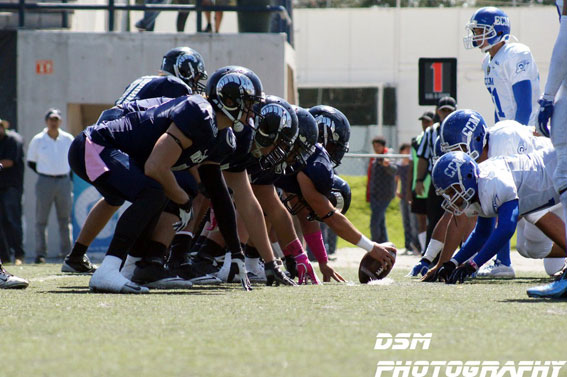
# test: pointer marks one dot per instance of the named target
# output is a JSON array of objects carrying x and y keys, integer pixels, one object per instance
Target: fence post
[
  {"x": 21, "y": 14},
  {"x": 199, "y": 13},
  {"x": 64, "y": 16},
  {"x": 110, "y": 15}
]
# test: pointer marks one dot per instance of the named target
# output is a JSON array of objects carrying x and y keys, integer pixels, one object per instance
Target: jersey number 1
[{"x": 496, "y": 100}]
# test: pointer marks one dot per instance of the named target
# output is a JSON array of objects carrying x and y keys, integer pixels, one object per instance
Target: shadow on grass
[
  {"x": 533, "y": 300},
  {"x": 196, "y": 290},
  {"x": 520, "y": 280}
]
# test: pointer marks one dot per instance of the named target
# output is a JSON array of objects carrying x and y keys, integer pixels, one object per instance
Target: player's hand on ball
[
  {"x": 328, "y": 273},
  {"x": 384, "y": 253}
]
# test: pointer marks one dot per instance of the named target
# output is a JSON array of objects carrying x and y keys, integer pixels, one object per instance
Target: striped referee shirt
[{"x": 426, "y": 148}]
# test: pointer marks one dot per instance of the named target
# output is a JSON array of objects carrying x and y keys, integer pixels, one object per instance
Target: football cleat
[
  {"x": 9, "y": 281},
  {"x": 199, "y": 272},
  {"x": 112, "y": 281},
  {"x": 255, "y": 269},
  {"x": 556, "y": 289},
  {"x": 80, "y": 265},
  {"x": 497, "y": 270},
  {"x": 152, "y": 274}
]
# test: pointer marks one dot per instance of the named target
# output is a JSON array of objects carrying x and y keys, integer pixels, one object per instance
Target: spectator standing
[
  {"x": 218, "y": 14},
  {"x": 404, "y": 194},
  {"x": 11, "y": 189},
  {"x": 148, "y": 22},
  {"x": 381, "y": 189},
  {"x": 47, "y": 156}
]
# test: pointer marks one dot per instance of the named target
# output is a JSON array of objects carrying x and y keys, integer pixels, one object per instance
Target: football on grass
[{"x": 371, "y": 269}]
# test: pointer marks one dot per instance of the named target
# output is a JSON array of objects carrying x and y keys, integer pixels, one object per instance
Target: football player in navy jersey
[
  {"x": 276, "y": 125},
  {"x": 131, "y": 159},
  {"x": 276, "y": 133},
  {"x": 182, "y": 70},
  {"x": 310, "y": 187}
]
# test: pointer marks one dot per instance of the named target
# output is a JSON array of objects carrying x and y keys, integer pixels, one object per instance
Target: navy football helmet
[
  {"x": 334, "y": 131},
  {"x": 277, "y": 125},
  {"x": 234, "y": 90},
  {"x": 186, "y": 64},
  {"x": 491, "y": 25},
  {"x": 339, "y": 196},
  {"x": 455, "y": 177},
  {"x": 464, "y": 130},
  {"x": 306, "y": 139}
]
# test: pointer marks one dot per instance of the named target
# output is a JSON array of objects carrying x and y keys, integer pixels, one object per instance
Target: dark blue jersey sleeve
[
  {"x": 195, "y": 118},
  {"x": 320, "y": 170},
  {"x": 152, "y": 87}
]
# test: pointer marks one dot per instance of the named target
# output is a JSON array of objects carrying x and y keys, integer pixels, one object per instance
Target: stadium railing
[{"x": 22, "y": 6}]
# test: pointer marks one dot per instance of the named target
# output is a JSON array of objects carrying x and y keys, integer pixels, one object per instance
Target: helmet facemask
[
  {"x": 456, "y": 198},
  {"x": 274, "y": 128},
  {"x": 191, "y": 70},
  {"x": 235, "y": 97},
  {"x": 330, "y": 139}
]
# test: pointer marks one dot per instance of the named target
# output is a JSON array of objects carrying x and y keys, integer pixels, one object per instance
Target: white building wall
[{"x": 358, "y": 47}]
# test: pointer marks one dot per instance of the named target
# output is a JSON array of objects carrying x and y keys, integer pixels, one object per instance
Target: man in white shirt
[{"x": 47, "y": 156}]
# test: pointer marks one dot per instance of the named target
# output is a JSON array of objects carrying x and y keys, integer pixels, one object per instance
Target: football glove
[
  {"x": 462, "y": 272},
  {"x": 290, "y": 266},
  {"x": 420, "y": 268},
  {"x": 445, "y": 271},
  {"x": 545, "y": 113},
  {"x": 185, "y": 215},
  {"x": 275, "y": 274},
  {"x": 238, "y": 268},
  {"x": 305, "y": 270}
]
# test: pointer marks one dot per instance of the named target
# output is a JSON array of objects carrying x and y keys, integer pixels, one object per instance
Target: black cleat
[
  {"x": 81, "y": 265},
  {"x": 152, "y": 274}
]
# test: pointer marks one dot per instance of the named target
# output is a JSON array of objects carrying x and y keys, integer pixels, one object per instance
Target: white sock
[
  {"x": 129, "y": 267},
  {"x": 251, "y": 263},
  {"x": 553, "y": 265},
  {"x": 433, "y": 249},
  {"x": 278, "y": 252},
  {"x": 110, "y": 262},
  {"x": 227, "y": 261},
  {"x": 421, "y": 238}
]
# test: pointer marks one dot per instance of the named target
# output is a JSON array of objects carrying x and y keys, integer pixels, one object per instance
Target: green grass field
[{"x": 57, "y": 328}]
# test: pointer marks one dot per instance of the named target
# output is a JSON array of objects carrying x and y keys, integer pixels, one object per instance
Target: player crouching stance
[
  {"x": 503, "y": 187},
  {"x": 131, "y": 159}
]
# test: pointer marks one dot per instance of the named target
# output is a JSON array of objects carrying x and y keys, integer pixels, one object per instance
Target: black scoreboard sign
[{"x": 437, "y": 78}]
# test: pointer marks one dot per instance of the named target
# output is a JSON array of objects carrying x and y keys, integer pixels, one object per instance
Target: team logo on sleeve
[{"x": 522, "y": 66}]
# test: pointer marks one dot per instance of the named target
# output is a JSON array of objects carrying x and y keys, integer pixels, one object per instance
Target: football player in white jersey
[
  {"x": 503, "y": 187},
  {"x": 466, "y": 130},
  {"x": 510, "y": 72},
  {"x": 553, "y": 105},
  {"x": 512, "y": 79}
]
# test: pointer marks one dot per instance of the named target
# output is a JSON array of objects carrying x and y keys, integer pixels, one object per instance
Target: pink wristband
[
  {"x": 315, "y": 243},
  {"x": 293, "y": 249}
]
